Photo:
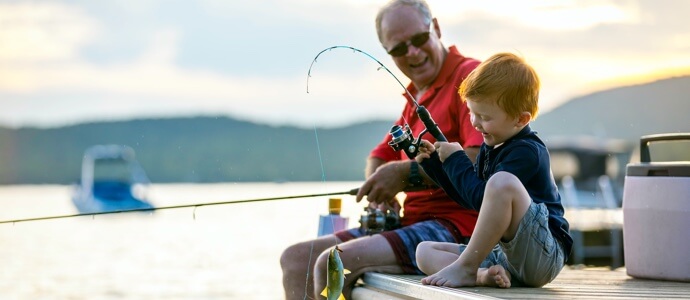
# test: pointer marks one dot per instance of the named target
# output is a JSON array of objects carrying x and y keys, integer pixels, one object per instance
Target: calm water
[{"x": 211, "y": 252}]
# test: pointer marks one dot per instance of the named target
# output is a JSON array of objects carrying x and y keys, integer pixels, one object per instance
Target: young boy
[{"x": 511, "y": 183}]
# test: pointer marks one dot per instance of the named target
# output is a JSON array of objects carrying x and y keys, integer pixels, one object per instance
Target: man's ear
[
  {"x": 524, "y": 119},
  {"x": 437, "y": 28}
]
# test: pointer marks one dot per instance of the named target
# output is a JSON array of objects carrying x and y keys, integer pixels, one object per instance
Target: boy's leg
[
  {"x": 534, "y": 256},
  {"x": 505, "y": 203},
  {"x": 434, "y": 256}
]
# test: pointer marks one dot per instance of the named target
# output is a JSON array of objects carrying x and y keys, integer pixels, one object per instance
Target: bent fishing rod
[
  {"x": 195, "y": 205},
  {"x": 402, "y": 137}
]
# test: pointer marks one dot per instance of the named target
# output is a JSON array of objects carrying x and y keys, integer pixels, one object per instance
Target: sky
[{"x": 66, "y": 62}]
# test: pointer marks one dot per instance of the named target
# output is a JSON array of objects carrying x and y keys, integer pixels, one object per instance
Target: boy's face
[{"x": 493, "y": 122}]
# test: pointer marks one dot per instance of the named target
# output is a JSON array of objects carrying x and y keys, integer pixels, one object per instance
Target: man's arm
[{"x": 372, "y": 164}]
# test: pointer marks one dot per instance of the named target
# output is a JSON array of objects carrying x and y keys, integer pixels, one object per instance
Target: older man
[{"x": 409, "y": 33}]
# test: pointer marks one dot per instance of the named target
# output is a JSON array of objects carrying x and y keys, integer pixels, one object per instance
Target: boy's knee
[
  {"x": 503, "y": 182},
  {"x": 423, "y": 248}
]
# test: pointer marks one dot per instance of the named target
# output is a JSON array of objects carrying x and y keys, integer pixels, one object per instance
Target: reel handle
[{"x": 429, "y": 123}]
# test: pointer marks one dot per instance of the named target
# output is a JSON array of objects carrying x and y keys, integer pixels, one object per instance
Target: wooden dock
[{"x": 571, "y": 283}]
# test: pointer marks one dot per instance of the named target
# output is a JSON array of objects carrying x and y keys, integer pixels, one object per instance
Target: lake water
[{"x": 211, "y": 252}]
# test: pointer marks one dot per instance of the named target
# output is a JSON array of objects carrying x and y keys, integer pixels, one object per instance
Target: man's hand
[
  {"x": 445, "y": 149},
  {"x": 393, "y": 205},
  {"x": 387, "y": 181}
]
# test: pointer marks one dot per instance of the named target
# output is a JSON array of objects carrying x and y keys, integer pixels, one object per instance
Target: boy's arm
[
  {"x": 434, "y": 168},
  {"x": 468, "y": 186}
]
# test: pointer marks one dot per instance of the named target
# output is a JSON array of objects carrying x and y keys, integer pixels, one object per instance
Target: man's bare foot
[
  {"x": 453, "y": 275},
  {"x": 495, "y": 276}
]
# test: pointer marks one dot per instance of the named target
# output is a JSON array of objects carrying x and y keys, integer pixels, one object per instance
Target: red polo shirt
[{"x": 452, "y": 116}]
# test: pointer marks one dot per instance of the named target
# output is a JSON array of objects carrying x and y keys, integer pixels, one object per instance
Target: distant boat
[{"x": 111, "y": 180}]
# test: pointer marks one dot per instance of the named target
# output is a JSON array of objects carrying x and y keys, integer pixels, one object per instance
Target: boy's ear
[{"x": 524, "y": 119}]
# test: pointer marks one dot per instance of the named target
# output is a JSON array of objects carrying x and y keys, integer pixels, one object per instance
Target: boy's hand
[
  {"x": 445, "y": 149},
  {"x": 425, "y": 150}
]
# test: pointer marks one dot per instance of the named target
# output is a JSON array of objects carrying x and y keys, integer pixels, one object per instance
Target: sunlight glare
[
  {"x": 549, "y": 15},
  {"x": 37, "y": 32}
]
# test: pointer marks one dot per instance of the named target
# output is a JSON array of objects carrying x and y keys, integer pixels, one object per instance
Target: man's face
[{"x": 419, "y": 63}]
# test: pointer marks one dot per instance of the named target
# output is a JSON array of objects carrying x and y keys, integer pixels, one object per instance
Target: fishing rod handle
[{"x": 429, "y": 123}]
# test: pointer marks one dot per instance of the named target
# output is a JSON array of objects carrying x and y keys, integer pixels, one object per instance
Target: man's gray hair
[{"x": 420, "y": 5}]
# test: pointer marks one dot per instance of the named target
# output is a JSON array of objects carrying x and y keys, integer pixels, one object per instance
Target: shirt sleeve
[
  {"x": 519, "y": 161},
  {"x": 434, "y": 169}
]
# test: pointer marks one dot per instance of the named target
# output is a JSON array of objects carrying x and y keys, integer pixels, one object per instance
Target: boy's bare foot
[
  {"x": 453, "y": 275},
  {"x": 495, "y": 276}
]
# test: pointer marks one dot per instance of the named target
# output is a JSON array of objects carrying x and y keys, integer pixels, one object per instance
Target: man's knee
[
  {"x": 321, "y": 261},
  {"x": 296, "y": 256},
  {"x": 289, "y": 256}
]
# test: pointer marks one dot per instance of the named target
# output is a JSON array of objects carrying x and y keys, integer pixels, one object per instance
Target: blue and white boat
[{"x": 111, "y": 180}]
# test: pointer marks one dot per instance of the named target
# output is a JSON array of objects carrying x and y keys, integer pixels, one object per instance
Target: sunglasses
[{"x": 416, "y": 40}]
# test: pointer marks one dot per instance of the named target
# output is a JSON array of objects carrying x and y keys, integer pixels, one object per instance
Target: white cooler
[{"x": 656, "y": 215}]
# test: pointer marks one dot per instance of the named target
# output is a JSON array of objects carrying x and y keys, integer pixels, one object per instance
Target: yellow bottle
[{"x": 332, "y": 222}]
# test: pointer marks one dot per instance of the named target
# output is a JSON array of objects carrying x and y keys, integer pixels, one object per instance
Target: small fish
[{"x": 335, "y": 277}]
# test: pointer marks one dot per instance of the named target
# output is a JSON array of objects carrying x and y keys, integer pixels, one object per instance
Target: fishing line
[
  {"x": 323, "y": 173},
  {"x": 195, "y": 205},
  {"x": 381, "y": 66},
  {"x": 323, "y": 179},
  {"x": 402, "y": 138}
]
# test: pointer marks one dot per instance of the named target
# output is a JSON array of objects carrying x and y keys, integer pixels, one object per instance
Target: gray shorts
[{"x": 534, "y": 257}]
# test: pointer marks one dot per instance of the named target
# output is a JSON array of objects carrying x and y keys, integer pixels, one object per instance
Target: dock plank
[{"x": 572, "y": 283}]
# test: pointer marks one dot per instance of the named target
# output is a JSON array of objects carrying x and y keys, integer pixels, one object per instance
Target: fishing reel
[
  {"x": 374, "y": 220},
  {"x": 402, "y": 138}
]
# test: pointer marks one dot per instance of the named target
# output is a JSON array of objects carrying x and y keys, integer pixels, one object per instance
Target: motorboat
[{"x": 111, "y": 180}]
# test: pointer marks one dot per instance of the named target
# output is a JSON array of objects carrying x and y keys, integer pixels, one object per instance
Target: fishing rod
[
  {"x": 402, "y": 137},
  {"x": 350, "y": 192}
]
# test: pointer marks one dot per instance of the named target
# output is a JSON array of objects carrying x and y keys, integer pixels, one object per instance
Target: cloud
[
  {"x": 40, "y": 33},
  {"x": 104, "y": 59},
  {"x": 578, "y": 47}
]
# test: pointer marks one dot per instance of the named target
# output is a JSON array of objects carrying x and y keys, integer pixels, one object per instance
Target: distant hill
[
  {"x": 220, "y": 149},
  {"x": 625, "y": 113},
  {"x": 198, "y": 149}
]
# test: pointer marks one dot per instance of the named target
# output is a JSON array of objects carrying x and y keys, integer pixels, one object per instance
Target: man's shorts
[
  {"x": 404, "y": 240},
  {"x": 534, "y": 257}
]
